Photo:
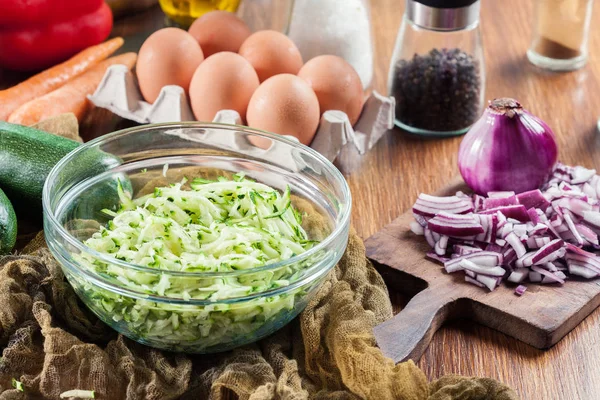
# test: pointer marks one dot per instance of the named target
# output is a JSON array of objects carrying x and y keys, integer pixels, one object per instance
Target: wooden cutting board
[{"x": 541, "y": 317}]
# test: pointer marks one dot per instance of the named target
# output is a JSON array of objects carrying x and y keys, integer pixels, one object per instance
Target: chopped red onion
[
  {"x": 429, "y": 237},
  {"x": 535, "y": 276},
  {"x": 573, "y": 204},
  {"x": 564, "y": 186},
  {"x": 538, "y": 229},
  {"x": 421, "y": 220},
  {"x": 520, "y": 230},
  {"x": 518, "y": 275},
  {"x": 517, "y": 212},
  {"x": 473, "y": 281},
  {"x": 520, "y": 290},
  {"x": 588, "y": 190},
  {"x": 525, "y": 260},
  {"x": 536, "y": 236},
  {"x": 592, "y": 219},
  {"x": 495, "y": 202},
  {"x": 489, "y": 281},
  {"x": 441, "y": 245},
  {"x": 533, "y": 199},
  {"x": 455, "y": 225},
  {"x": 490, "y": 226},
  {"x": 575, "y": 269},
  {"x": 477, "y": 202},
  {"x": 496, "y": 248},
  {"x": 506, "y": 230},
  {"x": 549, "y": 252},
  {"x": 587, "y": 234},
  {"x": 500, "y": 195},
  {"x": 535, "y": 242},
  {"x": 547, "y": 274},
  {"x": 461, "y": 249},
  {"x": 483, "y": 270},
  {"x": 437, "y": 258},
  {"x": 544, "y": 220},
  {"x": 580, "y": 174},
  {"x": 533, "y": 216},
  {"x": 450, "y": 268},
  {"x": 578, "y": 250},
  {"x": 501, "y": 219},
  {"x": 550, "y": 267},
  {"x": 571, "y": 226},
  {"x": 592, "y": 263},
  {"x": 430, "y": 206},
  {"x": 516, "y": 244},
  {"x": 509, "y": 257},
  {"x": 416, "y": 228},
  {"x": 483, "y": 258}
]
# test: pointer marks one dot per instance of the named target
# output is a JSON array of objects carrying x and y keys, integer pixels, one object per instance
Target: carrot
[
  {"x": 52, "y": 78},
  {"x": 71, "y": 97}
]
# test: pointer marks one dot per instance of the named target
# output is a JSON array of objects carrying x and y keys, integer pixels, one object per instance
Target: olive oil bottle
[{"x": 184, "y": 12}]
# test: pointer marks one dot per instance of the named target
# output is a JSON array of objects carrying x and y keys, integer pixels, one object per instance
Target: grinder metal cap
[{"x": 443, "y": 15}]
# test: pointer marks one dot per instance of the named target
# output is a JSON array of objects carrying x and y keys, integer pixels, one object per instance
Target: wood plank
[{"x": 541, "y": 317}]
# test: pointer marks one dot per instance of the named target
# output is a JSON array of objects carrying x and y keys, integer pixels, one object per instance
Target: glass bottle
[
  {"x": 437, "y": 73},
  {"x": 560, "y": 34},
  {"x": 184, "y": 12},
  {"x": 257, "y": 14},
  {"x": 266, "y": 14}
]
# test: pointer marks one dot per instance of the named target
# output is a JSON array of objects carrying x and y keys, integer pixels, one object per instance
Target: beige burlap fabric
[{"x": 52, "y": 343}]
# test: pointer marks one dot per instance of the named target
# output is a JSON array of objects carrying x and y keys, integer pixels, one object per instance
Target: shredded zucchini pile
[{"x": 214, "y": 226}]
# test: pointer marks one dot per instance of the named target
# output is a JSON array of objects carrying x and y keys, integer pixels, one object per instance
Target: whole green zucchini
[
  {"x": 8, "y": 225},
  {"x": 26, "y": 157}
]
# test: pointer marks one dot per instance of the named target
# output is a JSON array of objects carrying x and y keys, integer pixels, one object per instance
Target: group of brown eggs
[{"x": 222, "y": 65}]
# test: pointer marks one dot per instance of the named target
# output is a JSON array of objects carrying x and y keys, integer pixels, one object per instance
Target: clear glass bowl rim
[{"x": 340, "y": 224}]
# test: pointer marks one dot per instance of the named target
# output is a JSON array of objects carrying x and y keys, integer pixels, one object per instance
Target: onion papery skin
[{"x": 507, "y": 149}]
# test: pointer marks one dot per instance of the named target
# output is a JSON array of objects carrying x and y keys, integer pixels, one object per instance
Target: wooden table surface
[{"x": 386, "y": 181}]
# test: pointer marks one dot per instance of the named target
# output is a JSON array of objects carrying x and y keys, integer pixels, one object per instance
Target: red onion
[{"x": 507, "y": 149}]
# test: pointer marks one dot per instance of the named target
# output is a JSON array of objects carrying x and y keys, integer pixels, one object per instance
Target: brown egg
[
  {"x": 285, "y": 104},
  {"x": 336, "y": 84},
  {"x": 224, "y": 81},
  {"x": 168, "y": 57},
  {"x": 219, "y": 31},
  {"x": 271, "y": 53}
]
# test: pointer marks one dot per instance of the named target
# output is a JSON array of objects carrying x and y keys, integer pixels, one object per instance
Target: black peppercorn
[{"x": 438, "y": 91}]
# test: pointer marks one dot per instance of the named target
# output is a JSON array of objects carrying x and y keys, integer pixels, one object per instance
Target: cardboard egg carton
[{"x": 118, "y": 92}]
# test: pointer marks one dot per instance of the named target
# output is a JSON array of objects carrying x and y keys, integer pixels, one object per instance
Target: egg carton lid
[{"x": 119, "y": 92}]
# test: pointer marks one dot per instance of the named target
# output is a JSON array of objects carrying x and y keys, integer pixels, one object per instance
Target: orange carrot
[
  {"x": 53, "y": 78},
  {"x": 71, "y": 97}
]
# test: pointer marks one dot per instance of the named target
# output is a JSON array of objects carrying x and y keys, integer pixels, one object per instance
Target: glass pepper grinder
[{"x": 437, "y": 73}]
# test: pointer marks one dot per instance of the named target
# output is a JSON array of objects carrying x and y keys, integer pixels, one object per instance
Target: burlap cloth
[{"x": 52, "y": 343}]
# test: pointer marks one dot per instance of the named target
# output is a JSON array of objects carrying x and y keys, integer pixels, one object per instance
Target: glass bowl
[{"x": 85, "y": 182}]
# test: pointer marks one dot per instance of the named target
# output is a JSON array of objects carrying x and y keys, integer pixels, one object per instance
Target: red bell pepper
[
  {"x": 36, "y": 34},
  {"x": 25, "y": 12}
]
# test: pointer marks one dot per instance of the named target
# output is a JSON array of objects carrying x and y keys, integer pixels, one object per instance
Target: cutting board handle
[{"x": 407, "y": 335}]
